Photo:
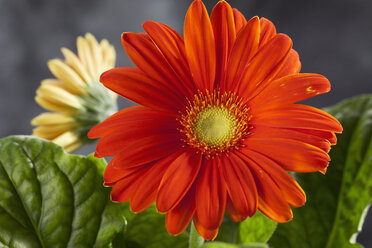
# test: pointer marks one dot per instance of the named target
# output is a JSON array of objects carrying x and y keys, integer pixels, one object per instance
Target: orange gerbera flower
[{"x": 218, "y": 128}]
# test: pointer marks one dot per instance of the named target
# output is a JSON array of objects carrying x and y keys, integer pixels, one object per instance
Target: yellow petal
[
  {"x": 85, "y": 56},
  {"x": 111, "y": 58},
  {"x": 104, "y": 43},
  {"x": 108, "y": 60},
  {"x": 67, "y": 75},
  {"x": 73, "y": 61},
  {"x": 58, "y": 95},
  {"x": 52, "y": 119},
  {"x": 48, "y": 136},
  {"x": 45, "y": 103},
  {"x": 56, "y": 82},
  {"x": 73, "y": 147},
  {"x": 66, "y": 139},
  {"x": 95, "y": 53},
  {"x": 51, "y": 131},
  {"x": 52, "y": 81},
  {"x": 108, "y": 55}
]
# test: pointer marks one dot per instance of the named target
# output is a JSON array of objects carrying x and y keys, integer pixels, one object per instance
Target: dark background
[{"x": 333, "y": 38}]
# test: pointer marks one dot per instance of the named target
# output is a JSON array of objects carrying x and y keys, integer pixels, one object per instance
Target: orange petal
[
  {"x": 200, "y": 46},
  {"x": 222, "y": 19},
  {"x": 147, "y": 56},
  {"x": 146, "y": 150},
  {"x": 210, "y": 195},
  {"x": 207, "y": 234},
  {"x": 292, "y": 155},
  {"x": 239, "y": 20},
  {"x": 240, "y": 184},
  {"x": 268, "y": 133},
  {"x": 124, "y": 189},
  {"x": 172, "y": 46},
  {"x": 114, "y": 173},
  {"x": 271, "y": 200},
  {"x": 233, "y": 213},
  {"x": 100, "y": 130},
  {"x": 290, "y": 189},
  {"x": 177, "y": 180},
  {"x": 272, "y": 211},
  {"x": 296, "y": 116},
  {"x": 291, "y": 89},
  {"x": 291, "y": 66},
  {"x": 147, "y": 131},
  {"x": 268, "y": 31},
  {"x": 135, "y": 85},
  {"x": 244, "y": 49},
  {"x": 330, "y": 136},
  {"x": 178, "y": 218},
  {"x": 121, "y": 166},
  {"x": 135, "y": 114},
  {"x": 146, "y": 192},
  {"x": 264, "y": 66}
]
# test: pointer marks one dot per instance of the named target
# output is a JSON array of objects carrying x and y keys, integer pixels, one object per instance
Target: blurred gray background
[{"x": 332, "y": 37}]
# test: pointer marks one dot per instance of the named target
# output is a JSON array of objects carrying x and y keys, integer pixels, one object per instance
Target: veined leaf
[
  {"x": 336, "y": 201},
  {"x": 51, "y": 199},
  {"x": 229, "y": 231},
  {"x": 147, "y": 230},
  {"x": 257, "y": 228},
  {"x": 227, "y": 245}
]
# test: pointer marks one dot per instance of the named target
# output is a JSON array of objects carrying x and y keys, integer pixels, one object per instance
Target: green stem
[{"x": 195, "y": 240}]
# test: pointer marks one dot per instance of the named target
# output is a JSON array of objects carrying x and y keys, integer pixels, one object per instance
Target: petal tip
[
  {"x": 114, "y": 198},
  {"x": 323, "y": 171},
  {"x": 284, "y": 38},
  {"x": 91, "y": 134},
  {"x": 125, "y": 37},
  {"x": 103, "y": 76},
  {"x": 148, "y": 23},
  {"x": 97, "y": 155},
  {"x": 222, "y": 3}
]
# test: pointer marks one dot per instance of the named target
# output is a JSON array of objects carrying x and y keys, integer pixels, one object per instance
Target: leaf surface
[
  {"x": 52, "y": 199},
  {"x": 227, "y": 245},
  {"x": 258, "y": 228},
  {"x": 147, "y": 230},
  {"x": 255, "y": 229}
]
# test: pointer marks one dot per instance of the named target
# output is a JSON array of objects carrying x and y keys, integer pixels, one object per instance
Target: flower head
[
  {"x": 218, "y": 127},
  {"x": 75, "y": 96}
]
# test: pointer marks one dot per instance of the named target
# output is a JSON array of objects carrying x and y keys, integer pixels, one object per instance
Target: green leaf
[
  {"x": 147, "y": 230},
  {"x": 51, "y": 199},
  {"x": 113, "y": 222},
  {"x": 333, "y": 214},
  {"x": 227, "y": 245},
  {"x": 229, "y": 231},
  {"x": 258, "y": 228}
]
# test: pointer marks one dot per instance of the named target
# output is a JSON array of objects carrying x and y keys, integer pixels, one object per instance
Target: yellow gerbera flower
[{"x": 76, "y": 98}]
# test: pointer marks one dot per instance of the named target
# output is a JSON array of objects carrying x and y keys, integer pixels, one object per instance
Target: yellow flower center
[
  {"x": 215, "y": 126},
  {"x": 215, "y": 123}
]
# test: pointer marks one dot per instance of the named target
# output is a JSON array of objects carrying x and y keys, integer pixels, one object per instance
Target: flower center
[
  {"x": 215, "y": 123},
  {"x": 215, "y": 126}
]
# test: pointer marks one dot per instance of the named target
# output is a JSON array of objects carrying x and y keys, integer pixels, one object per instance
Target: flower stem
[{"x": 195, "y": 240}]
